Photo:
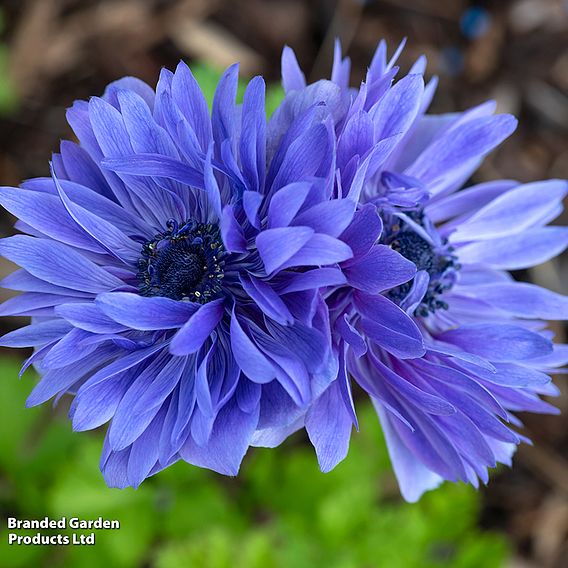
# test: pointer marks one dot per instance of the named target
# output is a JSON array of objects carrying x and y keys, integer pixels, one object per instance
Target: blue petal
[
  {"x": 253, "y": 135},
  {"x": 329, "y": 217},
  {"x": 250, "y": 359},
  {"x": 145, "y": 313},
  {"x": 155, "y": 165},
  {"x": 248, "y": 395},
  {"x": 115, "y": 469},
  {"x": 228, "y": 443},
  {"x": 133, "y": 84},
  {"x": 24, "y": 282},
  {"x": 45, "y": 213},
  {"x": 286, "y": 202},
  {"x": 467, "y": 200},
  {"x": 69, "y": 349},
  {"x": 145, "y": 451},
  {"x": 252, "y": 201},
  {"x": 292, "y": 77},
  {"x": 378, "y": 270},
  {"x": 162, "y": 386},
  {"x": 36, "y": 334},
  {"x": 396, "y": 111},
  {"x": 341, "y": 68},
  {"x": 95, "y": 406},
  {"x": 516, "y": 252},
  {"x": 356, "y": 138},
  {"x": 524, "y": 300},
  {"x": 111, "y": 239},
  {"x": 303, "y": 157},
  {"x": 98, "y": 205},
  {"x": 188, "y": 96},
  {"x": 59, "y": 380},
  {"x": 364, "y": 231},
  {"x": 224, "y": 115},
  {"x": 146, "y": 136},
  {"x": 498, "y": 342},
  {"x": 81, "y": 168},
  {"x": 127, "y": 423},
  {"x": 414, "y": 478},
  {"x": 276, "y": 246},
  {"x": 89, "y": 317},
  {"x": 319, "y": 250},
  {"x": 267, "y": 299},
  {"x": 33, "y": 303},
  {"x": 513, "y": 211},
  {"x": 465, "y": 142},
  {"x": 57, "y": 264},
  {"x": 231, "y": 232},
  {"x": 329, "y": 427},
  {"x": 198, "y": 328},
  {"x": 316, "y": 278}
]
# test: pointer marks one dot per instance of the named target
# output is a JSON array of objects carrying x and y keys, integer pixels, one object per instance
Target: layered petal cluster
[
  {"x": 450, "y": 355},
  {"x": 172, "y": 266},
  {"x": 204, "y": 282}
]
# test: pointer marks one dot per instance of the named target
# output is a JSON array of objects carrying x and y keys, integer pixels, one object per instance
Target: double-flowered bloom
[
  {"x": 449, "y": 355},
  {"x": 207, "y": 282}
]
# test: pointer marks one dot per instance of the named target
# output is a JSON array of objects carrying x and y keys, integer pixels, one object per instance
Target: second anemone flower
[{"x": 448, "y": 411}]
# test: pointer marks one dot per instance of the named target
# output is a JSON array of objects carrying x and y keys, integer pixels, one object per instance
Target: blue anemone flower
[
  {"x": 466, "y": 345},
  {"x": 172, "y": 266}
]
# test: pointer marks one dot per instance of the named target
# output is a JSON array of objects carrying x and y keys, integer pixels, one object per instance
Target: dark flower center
[
  {"x": 413, "y": 247},
  {"x": 438, "y": 261},
  {"x": 183, "y": 263}
]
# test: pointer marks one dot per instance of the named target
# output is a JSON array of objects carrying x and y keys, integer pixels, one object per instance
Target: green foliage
[
  {"x": 280, "y": 512},
  {"x": 8, "y": 97}
]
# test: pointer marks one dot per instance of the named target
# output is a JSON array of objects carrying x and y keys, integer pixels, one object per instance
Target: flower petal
[
  {"x": 293, "y": 78},
  {"x": 522, "y": 300},
  {"x": 145, "y": 313},
  {"x": 228, "y": 443},
  {"x": 414, "y": 478},
  {"x": 380, "y": 269},
  {"x": 329, "y": 427},
  {"x": 518, "y": 251},
  {"x": 198, "y": 328},
  {"x": 389, "y": 326},
  {"x": 250, "y": 359},
  {"x": 364, "y": 230},
  {"x": 513, "y": 211},
  {"x": 498, "y": 342},
  {"x": 276, "y": 246},
  {"x": 57, "y": 264}
]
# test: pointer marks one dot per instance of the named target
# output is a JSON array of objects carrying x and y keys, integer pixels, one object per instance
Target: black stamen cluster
[
  {"x": 439, "y": 263},
  {"x": 183, "y": 263}
]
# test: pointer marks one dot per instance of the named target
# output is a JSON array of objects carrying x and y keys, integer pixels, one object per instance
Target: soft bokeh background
[{"x": 281, "y": 512}]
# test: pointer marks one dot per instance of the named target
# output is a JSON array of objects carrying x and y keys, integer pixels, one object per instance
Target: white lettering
[{"x": 84, "y": 539}]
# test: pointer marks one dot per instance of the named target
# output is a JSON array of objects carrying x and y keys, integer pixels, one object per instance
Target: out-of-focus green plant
[
  {"x": 8, "y": 97},
  {"x": 280, "y": 512}
]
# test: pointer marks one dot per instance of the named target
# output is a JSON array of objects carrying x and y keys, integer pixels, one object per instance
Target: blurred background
[{"x": 281, "y": 512}]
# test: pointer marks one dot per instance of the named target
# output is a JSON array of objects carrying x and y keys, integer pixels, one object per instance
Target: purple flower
[
  {"x": 447, "y": 382},
  {"x": 173, "y": 266}
]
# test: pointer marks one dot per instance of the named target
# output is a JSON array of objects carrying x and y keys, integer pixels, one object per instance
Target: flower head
[
  {"x": 451, "y": 352},
  {"x": 172, "y": 266},
  {"x": 207, "y": 282}
]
